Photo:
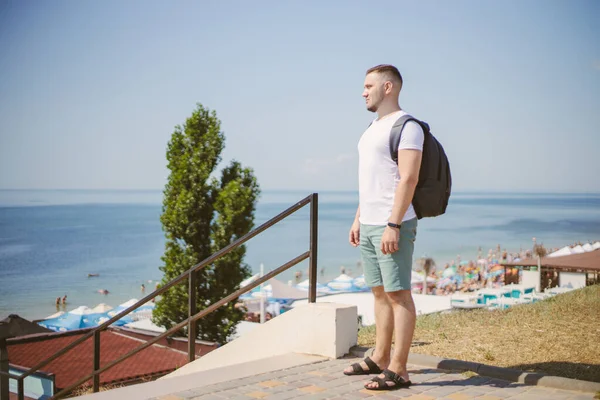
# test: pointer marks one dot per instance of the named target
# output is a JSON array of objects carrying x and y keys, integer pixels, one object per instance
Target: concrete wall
[
  {"x": 572, "y": 279},
  {"x": 323, "y": 329},
  {"x": 531, "y": 278}
]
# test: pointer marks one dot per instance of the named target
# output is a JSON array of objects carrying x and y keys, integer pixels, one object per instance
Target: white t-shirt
[{"x": 378, "y": 174}]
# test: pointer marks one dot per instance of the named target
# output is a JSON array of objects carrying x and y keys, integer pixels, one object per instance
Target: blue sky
[{"x": 90, "y": 91}]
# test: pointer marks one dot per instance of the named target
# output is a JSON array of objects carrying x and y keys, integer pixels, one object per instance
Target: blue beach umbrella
[{"x": 79, "y": 318}]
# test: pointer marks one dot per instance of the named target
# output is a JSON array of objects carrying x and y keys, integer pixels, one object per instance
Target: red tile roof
[{"x": 78, "y": 362}]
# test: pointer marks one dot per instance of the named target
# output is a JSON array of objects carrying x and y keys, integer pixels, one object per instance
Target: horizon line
[{"x": 470, "y": 191}]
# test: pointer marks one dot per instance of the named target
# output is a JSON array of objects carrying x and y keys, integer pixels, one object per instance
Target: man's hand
[
  {"x": 389, "y": 240},
  {"x": 354, "y": 236}
]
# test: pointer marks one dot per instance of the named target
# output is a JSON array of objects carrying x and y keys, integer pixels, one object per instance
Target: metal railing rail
[{"x": 193, "y": 315}]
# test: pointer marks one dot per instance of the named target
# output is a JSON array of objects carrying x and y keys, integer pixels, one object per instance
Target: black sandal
[
  {"x": 358, "y": 370},
  {"x": 382, "y": 383}
]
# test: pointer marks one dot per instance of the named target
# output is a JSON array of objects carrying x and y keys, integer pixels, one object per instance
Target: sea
[{"x": 50, "y": 240}]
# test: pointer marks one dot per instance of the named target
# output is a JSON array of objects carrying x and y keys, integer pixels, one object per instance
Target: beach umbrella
[
  {"x": 444, "y": 282},
  {"x": 343, "y": 283},
  {"x": 360, "y": 283},
  {"x": 142, "y": 312},
  {"x": 304, "y": 285},
  {"x": 248, "y": 281},
  {"x": 10, "y": 327},
  {"x": 596, "y": 245},
  {"x": 419, "y": 278},
  {"x": 13, "y": 326},
  {"x": 79, "y": 318},
  {"x": 55, "y": 315},
  {"x": 448, "y": 272},
  {"x": 102, "y": 308}
]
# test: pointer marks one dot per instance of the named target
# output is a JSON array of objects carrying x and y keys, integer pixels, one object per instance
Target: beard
[{"x": 375, "y": 102}]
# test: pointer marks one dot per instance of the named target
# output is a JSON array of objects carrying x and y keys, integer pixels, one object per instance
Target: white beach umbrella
[
  {"x": 343, "y": 282},
  {"x": 248, "y": 281},
  {"x": 596, "y": 246},
  {"x": 417, "y": 277},
  {"x": 102, "y": 308},
  {"x": 359, "y": 282},
  {"x": 55, "y": 315}
]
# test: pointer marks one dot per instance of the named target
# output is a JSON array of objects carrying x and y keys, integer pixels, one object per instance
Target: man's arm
[
  {"x": 409, "y": 165},
  {"x": 354, "y": 235}
]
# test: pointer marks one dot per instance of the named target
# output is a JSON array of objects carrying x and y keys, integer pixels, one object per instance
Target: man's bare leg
[
  {"x": 405, "y": 317},
  {"x": 384, "y": 327}
]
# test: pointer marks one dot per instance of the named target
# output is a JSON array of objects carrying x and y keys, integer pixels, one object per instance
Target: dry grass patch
[{"x": 557, "y": 336}]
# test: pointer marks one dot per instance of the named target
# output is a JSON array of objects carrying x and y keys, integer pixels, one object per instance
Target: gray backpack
[{"x": 435, "y": 181}]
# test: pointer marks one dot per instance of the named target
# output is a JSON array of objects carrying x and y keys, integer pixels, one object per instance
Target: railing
[{"x": 193, "y": 315}]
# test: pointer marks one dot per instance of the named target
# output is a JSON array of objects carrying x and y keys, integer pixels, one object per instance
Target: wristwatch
[{"x": 393, "y": 225}]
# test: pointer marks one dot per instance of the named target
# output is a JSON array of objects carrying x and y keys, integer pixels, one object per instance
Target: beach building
[
  {"x": 27, "y": 351},
  {"x": 575, "y": 270}
]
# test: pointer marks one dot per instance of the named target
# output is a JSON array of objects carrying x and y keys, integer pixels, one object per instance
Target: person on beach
[
  {"x": 385, "y": 227},
  {"x": 64, "y": 300}
]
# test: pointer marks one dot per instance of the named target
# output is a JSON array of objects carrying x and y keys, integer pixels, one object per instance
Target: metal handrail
[{"x": 193, "y": 315}]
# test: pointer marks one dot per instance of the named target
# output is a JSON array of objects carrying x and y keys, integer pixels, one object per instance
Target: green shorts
[{"x": 392, "y": 271}]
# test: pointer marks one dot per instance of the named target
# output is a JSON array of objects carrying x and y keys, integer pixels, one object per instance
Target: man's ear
[{"x": 387, "y": 87}]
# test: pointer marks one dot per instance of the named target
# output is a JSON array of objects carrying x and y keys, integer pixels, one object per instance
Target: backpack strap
[{"x": 396, "y": 133}]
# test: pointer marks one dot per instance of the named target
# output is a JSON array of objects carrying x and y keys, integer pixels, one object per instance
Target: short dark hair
[{"x": 389, "y": 71}]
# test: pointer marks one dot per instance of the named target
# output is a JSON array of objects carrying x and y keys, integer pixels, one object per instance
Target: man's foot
[
  {"x": 368, "y": 366},
  {"x": 389, "y": 380}
]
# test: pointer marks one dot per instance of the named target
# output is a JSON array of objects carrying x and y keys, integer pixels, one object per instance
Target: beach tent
[
  {"x": 587, "y": 247},
  {"x": 276, "y": 291},
  {"x": 343, "y": 283},
  {"x": 577, "y": 249},
  {"x": 596, "y": 246},
  {"x": 281, "y": 290},
  {"x": 565, "y": 251}
]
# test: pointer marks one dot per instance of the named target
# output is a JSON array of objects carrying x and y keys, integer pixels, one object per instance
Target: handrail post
[
  {"x": 192, "y": 311},
  {"x": 20, "y": 389},
  {"x": 312, "y": 274},
  {"x": 96, "y": 361}
]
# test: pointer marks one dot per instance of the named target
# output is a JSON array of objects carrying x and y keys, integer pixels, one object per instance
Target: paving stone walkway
[{"x": 325, "y": 380}]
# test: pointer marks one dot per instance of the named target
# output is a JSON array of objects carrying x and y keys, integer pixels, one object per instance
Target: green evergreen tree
[{"x": 201, "y": 215}]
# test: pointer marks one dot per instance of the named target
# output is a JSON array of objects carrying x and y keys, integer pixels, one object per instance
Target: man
[{"x": 385, "y": 227}]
